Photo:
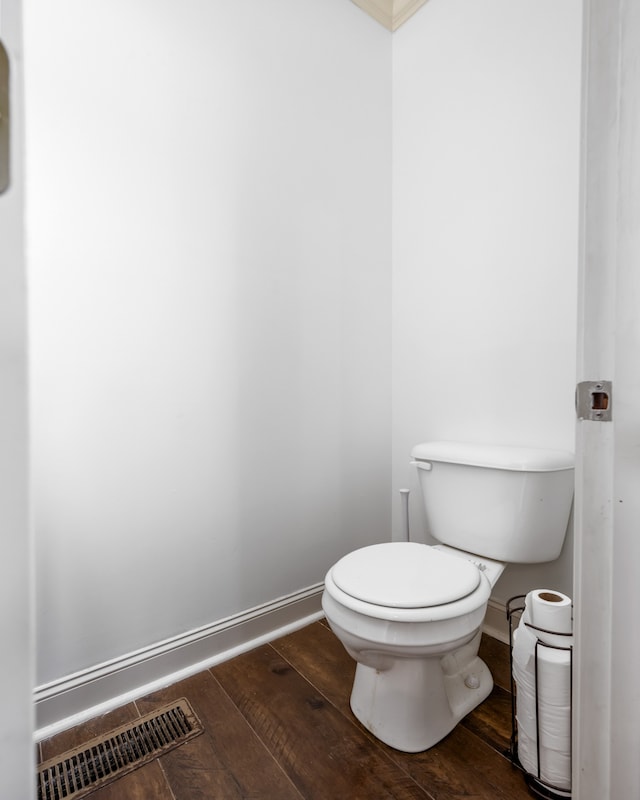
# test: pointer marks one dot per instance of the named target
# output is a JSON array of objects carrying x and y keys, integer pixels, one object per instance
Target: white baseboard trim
[
  {"x": 495, "y": 622},
  {"x": 75, "y": 698}
]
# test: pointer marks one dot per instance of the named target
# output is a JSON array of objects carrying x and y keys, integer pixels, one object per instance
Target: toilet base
[{"x": 416, "y": 702}]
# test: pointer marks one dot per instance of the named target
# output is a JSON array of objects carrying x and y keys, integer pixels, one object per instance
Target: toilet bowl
[{"x": 410, "y": 614}]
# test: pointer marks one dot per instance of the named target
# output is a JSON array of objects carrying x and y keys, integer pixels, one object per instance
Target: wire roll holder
[{"x": 538, "y": 787}]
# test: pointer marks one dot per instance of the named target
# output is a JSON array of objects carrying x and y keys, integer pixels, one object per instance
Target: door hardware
[{"x": 593, "y": 400}]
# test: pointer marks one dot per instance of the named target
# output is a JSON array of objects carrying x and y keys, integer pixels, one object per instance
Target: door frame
[
  {"x": 607, "y": 505},
  {"x": 16, "y": 585}
]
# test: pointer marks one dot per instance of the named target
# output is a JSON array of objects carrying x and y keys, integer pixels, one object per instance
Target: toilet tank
[{"x": 503, "y": 502}]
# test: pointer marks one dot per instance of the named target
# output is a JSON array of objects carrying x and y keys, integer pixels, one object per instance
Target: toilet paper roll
[
  {"x": 553, "y": 668},
  {"x": 552, "y": 709},
  {"x": 542, "y": 674},
  {"x": 552, "y": 613},
  {"x": 555, "y": 767}
]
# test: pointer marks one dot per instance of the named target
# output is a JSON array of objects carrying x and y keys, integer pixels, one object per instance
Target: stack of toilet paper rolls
[{"x": 550, "y": 611}]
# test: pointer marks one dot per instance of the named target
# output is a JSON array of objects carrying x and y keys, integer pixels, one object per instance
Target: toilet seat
[
  {"x": 405, "y": 575},
  {"x": 465, "y": 604}
]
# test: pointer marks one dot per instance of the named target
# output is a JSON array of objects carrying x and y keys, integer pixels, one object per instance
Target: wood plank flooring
[{"x": 278, "y": 727}]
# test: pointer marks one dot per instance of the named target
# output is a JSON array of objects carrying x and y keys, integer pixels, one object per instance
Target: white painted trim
[
  {"x": 495, "y": 621},
  {"x": 403, "y": 9},
  {"x": 17, "y": 778},
  {"x": 390, "y": 13},
  {"x": 75, "y": 698},
  {"x": 380, "y": 10},
  {"x": 606, "y": 727}
]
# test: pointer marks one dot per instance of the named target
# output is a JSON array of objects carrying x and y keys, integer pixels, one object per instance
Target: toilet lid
[{"x": 405, "y": 575}]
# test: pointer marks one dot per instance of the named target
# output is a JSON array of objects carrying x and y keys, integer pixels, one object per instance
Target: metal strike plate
[
  {"x": 4, "y": 119},
  {"x": 593, "y": 400}
]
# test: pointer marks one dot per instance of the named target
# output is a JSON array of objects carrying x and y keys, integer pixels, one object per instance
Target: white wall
[
  {"x": 16, "y": 721},
  {"x": 485, "y": 216},
  {"x": 209, "y": 238},
  {"x": 209, "y": 217}
]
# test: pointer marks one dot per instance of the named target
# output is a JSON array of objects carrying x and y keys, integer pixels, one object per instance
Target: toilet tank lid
[{"x": 491, "y": 456}]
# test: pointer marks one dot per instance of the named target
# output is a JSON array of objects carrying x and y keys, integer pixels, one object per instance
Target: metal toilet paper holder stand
[{"x": 538, "y": 787}]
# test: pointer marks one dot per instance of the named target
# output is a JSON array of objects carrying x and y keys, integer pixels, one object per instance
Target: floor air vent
[{"x": 84, "y": 769}]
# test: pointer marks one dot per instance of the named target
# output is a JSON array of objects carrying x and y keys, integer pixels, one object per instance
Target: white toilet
[{"x": 410, "y": 614}]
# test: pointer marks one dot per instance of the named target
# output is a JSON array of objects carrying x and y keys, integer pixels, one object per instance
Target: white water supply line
[{"x": 404, "y": 499}]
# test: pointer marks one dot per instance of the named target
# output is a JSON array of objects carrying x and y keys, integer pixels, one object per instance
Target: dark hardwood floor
[{"x": 278, "y": 727}]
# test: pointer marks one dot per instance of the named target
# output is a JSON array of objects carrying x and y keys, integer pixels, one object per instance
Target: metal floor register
[{"x": 104, "y": 759}]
